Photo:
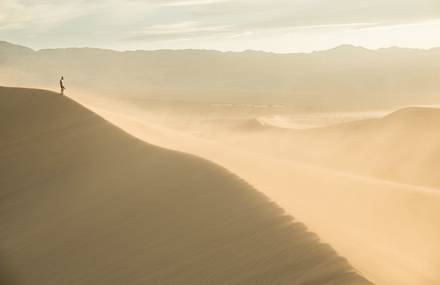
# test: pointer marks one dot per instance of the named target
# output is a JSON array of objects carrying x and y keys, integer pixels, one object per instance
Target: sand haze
[{"x": 219, "y": 142}]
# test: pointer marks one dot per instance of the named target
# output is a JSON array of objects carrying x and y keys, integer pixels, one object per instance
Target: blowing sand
[
  {"x": 389, "y": 230},
  {"x": 82, "y": 202}
]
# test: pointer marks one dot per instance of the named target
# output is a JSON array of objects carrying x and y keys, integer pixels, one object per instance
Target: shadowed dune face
[
  {"x": 81, "y": 202},
  {"x": 8, "y": 275}
]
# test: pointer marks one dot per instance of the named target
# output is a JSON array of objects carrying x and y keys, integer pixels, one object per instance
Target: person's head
[{"x": 62, "y": 77}]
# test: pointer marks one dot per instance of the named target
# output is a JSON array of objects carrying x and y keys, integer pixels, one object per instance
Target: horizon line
[{"x": 222, "y": 51}]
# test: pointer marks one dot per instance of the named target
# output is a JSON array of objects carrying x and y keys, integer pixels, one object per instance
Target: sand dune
[
  {"x": 82, "y": 202},
  {"x": 403, "y": 146},
  {"x": 400, "y": 146},
  {"x": 387, "y": 230}
]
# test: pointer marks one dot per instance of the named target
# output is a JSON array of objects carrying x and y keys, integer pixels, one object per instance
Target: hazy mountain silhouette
[{"x": 343, "y": 77}]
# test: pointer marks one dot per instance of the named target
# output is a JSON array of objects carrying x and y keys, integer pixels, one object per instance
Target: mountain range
[{"x": 346, "y": 77}]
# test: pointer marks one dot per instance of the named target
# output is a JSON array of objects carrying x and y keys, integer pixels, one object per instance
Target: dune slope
[
  {"x": 82, "y": 202},
  {"x": 387, "y": 230}
]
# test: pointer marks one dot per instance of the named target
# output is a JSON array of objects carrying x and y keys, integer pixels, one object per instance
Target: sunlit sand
[{"x": 382, "y": 221}]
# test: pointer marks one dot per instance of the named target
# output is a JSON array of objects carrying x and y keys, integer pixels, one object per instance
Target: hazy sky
[{"x": 272, "y": 25}]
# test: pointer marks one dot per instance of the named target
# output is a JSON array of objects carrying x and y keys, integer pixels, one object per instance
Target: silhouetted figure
[{"x": 62, "y": 85}]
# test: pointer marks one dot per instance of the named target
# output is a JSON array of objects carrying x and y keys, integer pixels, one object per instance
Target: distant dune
[
  {"x": 403, "y": 146},
  {"x": 82, "y": 202}
]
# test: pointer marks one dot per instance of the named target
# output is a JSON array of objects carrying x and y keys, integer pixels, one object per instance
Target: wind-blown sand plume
[
  {"x": 84, "y": 203},
  {"x": 387, "y": 230},
  {"x": 402, "y": 146}
]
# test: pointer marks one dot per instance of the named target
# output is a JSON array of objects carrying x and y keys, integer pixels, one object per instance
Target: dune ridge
[
  {"x": 386, "y": 229},
  {"x": 82, "y": 202}
]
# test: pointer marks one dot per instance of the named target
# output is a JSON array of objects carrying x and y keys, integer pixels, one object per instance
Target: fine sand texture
[
  {"x": 82, "y": 202},
  {"x": 388, "y": 230}
]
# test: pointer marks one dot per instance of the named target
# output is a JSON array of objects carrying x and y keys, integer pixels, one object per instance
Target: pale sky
[{"x": 269, "y": 25}]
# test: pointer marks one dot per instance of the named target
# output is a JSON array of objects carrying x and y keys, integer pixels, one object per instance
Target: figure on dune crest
[{"x": 62, "y": 85}]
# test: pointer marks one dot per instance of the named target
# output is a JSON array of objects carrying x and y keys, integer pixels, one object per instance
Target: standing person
[{"x": 62, "y": 85}]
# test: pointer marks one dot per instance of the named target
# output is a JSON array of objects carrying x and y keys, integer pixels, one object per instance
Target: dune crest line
[
  {"x": 385, "y": 229},
  {"x": 82, "y": 202}
]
